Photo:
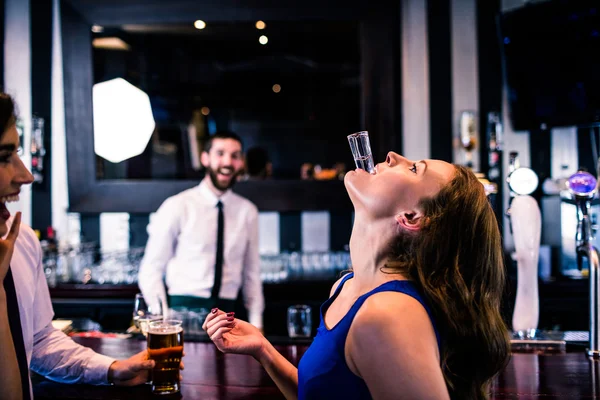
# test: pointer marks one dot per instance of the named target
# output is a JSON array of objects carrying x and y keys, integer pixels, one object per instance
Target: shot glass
[
  {"x": 299, "y": 321},
  {"x": 361, "y": 151}
]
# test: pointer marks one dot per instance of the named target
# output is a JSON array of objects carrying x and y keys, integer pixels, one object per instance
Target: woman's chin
[
  {"x": 352, "y": 175},
  {"x": 350, "y": 189},
  {"x": 349, "y": 183}
]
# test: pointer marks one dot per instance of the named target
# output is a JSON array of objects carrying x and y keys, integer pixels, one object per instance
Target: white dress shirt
[
  {"x": 49, "y": 351},
  {"x": 182, "y": 246}
]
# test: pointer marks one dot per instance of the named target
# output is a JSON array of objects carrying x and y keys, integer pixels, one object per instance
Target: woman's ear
[{"x": 410, "y": 221}]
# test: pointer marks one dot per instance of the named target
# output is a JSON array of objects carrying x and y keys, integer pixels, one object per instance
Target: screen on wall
[{"x": 551, "y": 57}]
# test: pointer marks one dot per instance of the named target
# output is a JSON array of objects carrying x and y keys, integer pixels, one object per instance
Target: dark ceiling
[
  {"x": 116, "y": 13},
  {"x": 226, "y": 56}
]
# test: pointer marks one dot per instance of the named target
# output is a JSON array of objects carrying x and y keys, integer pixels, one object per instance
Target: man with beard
[{"x": 203, "y": 242}]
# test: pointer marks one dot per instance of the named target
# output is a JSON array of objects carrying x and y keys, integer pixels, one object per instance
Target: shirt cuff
[
  {"x": 96, "y": 369},
  {"x": 256, "y": 318}
]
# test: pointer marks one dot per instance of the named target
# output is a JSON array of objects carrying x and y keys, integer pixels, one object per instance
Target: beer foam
[{"x": 165, "y": 330}]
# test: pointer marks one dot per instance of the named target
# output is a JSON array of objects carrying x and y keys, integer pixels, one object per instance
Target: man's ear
[
  {"x": 204, "y": 159},
  {"x": 410, "y": 220}
]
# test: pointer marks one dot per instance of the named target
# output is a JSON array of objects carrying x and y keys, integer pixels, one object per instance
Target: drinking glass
[
  {"x": 361, "y": 151},
  {"x": 165, "y": 347},
  {"x": 143, "y": 314},
  {"x": 299, "y": 319}
]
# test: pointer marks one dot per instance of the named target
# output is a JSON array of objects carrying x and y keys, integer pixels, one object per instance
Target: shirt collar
[{"x": 210, "y": 196}]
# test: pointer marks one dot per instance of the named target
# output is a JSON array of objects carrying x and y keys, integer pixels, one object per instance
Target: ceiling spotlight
[
  {"x": 260, "y": 25},
  {"x": 97, "y": 29},
  {"x": 263, "y": 39},
  {"x": 205, "y": 110},
  {"x": 199, "y": 24},
  {"x": 277, "y": 88}
]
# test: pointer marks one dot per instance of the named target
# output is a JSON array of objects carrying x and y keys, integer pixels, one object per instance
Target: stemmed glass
[{"x": 143, "y": 314}]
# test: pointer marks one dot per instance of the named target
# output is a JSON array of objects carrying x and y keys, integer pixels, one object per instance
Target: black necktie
[
  {"x": 219, "y": 259},
  {"x": 14, "y": 320}
]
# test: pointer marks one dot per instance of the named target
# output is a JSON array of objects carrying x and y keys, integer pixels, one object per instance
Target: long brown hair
[
  {"x": 456, "y": 260},
  {"x": 7, "y": 113}
]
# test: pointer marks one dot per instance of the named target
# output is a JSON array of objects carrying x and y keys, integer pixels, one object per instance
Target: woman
[
  {"x": 418, "y": 317},
  {"x": 27, "y": 338},
  {"x": 10, "y": 379}
]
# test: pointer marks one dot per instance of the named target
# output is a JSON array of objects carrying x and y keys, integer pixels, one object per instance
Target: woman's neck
[{"x": 368, "y": 250}]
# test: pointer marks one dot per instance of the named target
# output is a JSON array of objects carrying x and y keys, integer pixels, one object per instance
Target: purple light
[{"x": 582, "y": 184}]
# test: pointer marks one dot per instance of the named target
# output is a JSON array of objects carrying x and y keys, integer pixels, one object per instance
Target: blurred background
[{"x": 493, "y": 85}]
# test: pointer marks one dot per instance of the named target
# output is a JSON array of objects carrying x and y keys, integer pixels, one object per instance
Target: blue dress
[{"x": 323, "y": 372}]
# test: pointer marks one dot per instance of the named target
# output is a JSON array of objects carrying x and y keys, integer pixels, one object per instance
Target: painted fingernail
[
  {"x": 230, "y": 319},
  {"x": 230, "y": 314},
  {"x": 214, "y": 310}
]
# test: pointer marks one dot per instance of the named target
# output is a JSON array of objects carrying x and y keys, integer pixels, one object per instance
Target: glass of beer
[{"x": 165, "y": 347}]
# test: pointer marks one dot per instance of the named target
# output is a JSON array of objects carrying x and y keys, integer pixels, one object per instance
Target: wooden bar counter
[{"x": 210, "y": 374}]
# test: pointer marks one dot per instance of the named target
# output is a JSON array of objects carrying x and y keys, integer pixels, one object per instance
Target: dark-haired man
[{"x": 203, "y": 242}]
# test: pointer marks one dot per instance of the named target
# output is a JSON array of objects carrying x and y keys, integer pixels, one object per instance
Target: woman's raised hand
[
  {"x": 7, "y": 246},
  {"x": 232, "y": 335}
]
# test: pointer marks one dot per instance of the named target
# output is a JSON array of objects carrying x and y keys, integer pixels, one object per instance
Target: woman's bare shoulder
[
  {"x": 405, "y": 313},
  {"x": 336, "y": 284},
  {"x": 390, "y": 342}
]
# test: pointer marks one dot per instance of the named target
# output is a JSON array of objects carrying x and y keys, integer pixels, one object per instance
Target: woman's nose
[
  {"x": 393, "y": 158},
  {"x": 23, "y": 176}
]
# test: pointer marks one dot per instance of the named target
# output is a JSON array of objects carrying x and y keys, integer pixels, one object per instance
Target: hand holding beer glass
[{"x": 165, "y": 347}]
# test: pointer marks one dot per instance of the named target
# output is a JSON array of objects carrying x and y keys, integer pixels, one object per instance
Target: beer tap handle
[{"x": 582, "y": 185}]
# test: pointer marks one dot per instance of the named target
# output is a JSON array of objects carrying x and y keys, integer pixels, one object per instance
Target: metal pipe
[
  {"x": 594, "y": 261},
  {"x": 583, "y": 186}
]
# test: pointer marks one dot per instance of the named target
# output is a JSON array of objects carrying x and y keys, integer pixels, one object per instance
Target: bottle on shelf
[{"x": 50, "y": 256}]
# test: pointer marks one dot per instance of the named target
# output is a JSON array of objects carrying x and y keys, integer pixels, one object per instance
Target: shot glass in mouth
[{"x": 361, "y": 151}]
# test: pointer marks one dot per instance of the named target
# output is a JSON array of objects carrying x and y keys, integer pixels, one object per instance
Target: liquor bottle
[
  {"x": 38, "y": 150},
  {"x": 513, "y": 162},
  {"x": 50, "y": 251},
  {"x": 468, "y": 136},
  {"x": 51, "y": 239},
  {"x": 495, "y": 143}
]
